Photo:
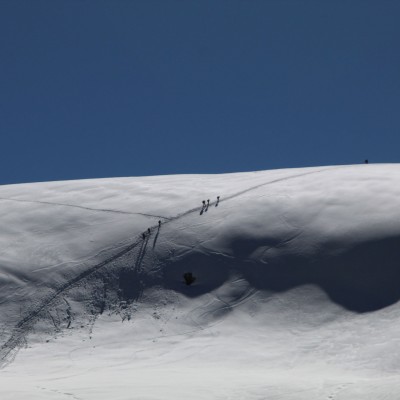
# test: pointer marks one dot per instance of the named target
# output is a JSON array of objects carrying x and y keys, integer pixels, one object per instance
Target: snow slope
[{"x": 296, "y": 292}]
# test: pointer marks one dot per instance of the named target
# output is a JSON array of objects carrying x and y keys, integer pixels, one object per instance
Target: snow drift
[{"x": 295, "y": 295}]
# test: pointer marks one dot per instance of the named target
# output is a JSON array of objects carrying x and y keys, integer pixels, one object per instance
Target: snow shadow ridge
[{"x": 361, "y": 278}]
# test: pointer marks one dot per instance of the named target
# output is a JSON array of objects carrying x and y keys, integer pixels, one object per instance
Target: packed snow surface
[{"x": 295, "y": 296}]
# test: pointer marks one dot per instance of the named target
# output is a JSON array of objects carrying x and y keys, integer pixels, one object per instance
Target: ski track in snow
[
  {"x": 70, "y": 395},
  {"x": 82, "y": 207},
  {"x": 22, "y": 328}
]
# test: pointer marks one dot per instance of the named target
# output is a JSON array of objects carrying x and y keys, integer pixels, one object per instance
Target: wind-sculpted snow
[
  {"x": 297, "y": 268},
  {"x": 24, "y": 325}
]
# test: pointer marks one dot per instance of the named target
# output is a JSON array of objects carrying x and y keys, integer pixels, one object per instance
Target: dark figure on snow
[
  {"x": 148, "y": 231},
  {"x": 208, "y": 202},
  {"x": 366, "y": 161},
  {"x": 204, "y": 203},
  {"x": 189, "y": 278},
  {"x": 143, "y": 235},
  {"x": 159, "y": 223}
]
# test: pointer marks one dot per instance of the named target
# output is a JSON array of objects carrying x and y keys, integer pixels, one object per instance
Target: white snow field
[{"x": 296, "y": 292}]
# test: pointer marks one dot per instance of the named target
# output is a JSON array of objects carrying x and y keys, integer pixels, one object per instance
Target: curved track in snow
[{"x": 107, "y": 210}]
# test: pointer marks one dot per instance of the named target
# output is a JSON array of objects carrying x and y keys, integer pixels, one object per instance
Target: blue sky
[{"x": 93, "y": 88}]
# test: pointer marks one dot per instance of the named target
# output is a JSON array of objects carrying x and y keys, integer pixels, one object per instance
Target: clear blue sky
[{"x": 93, "y": 88}]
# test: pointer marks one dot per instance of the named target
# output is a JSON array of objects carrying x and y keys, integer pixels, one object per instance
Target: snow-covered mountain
[{"x": 297, "y": 279}]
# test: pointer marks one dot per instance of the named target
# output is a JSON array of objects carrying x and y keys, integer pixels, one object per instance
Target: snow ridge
[
  {"x": 23, "y": 327},
  {"x": 295, "y": 297}
]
